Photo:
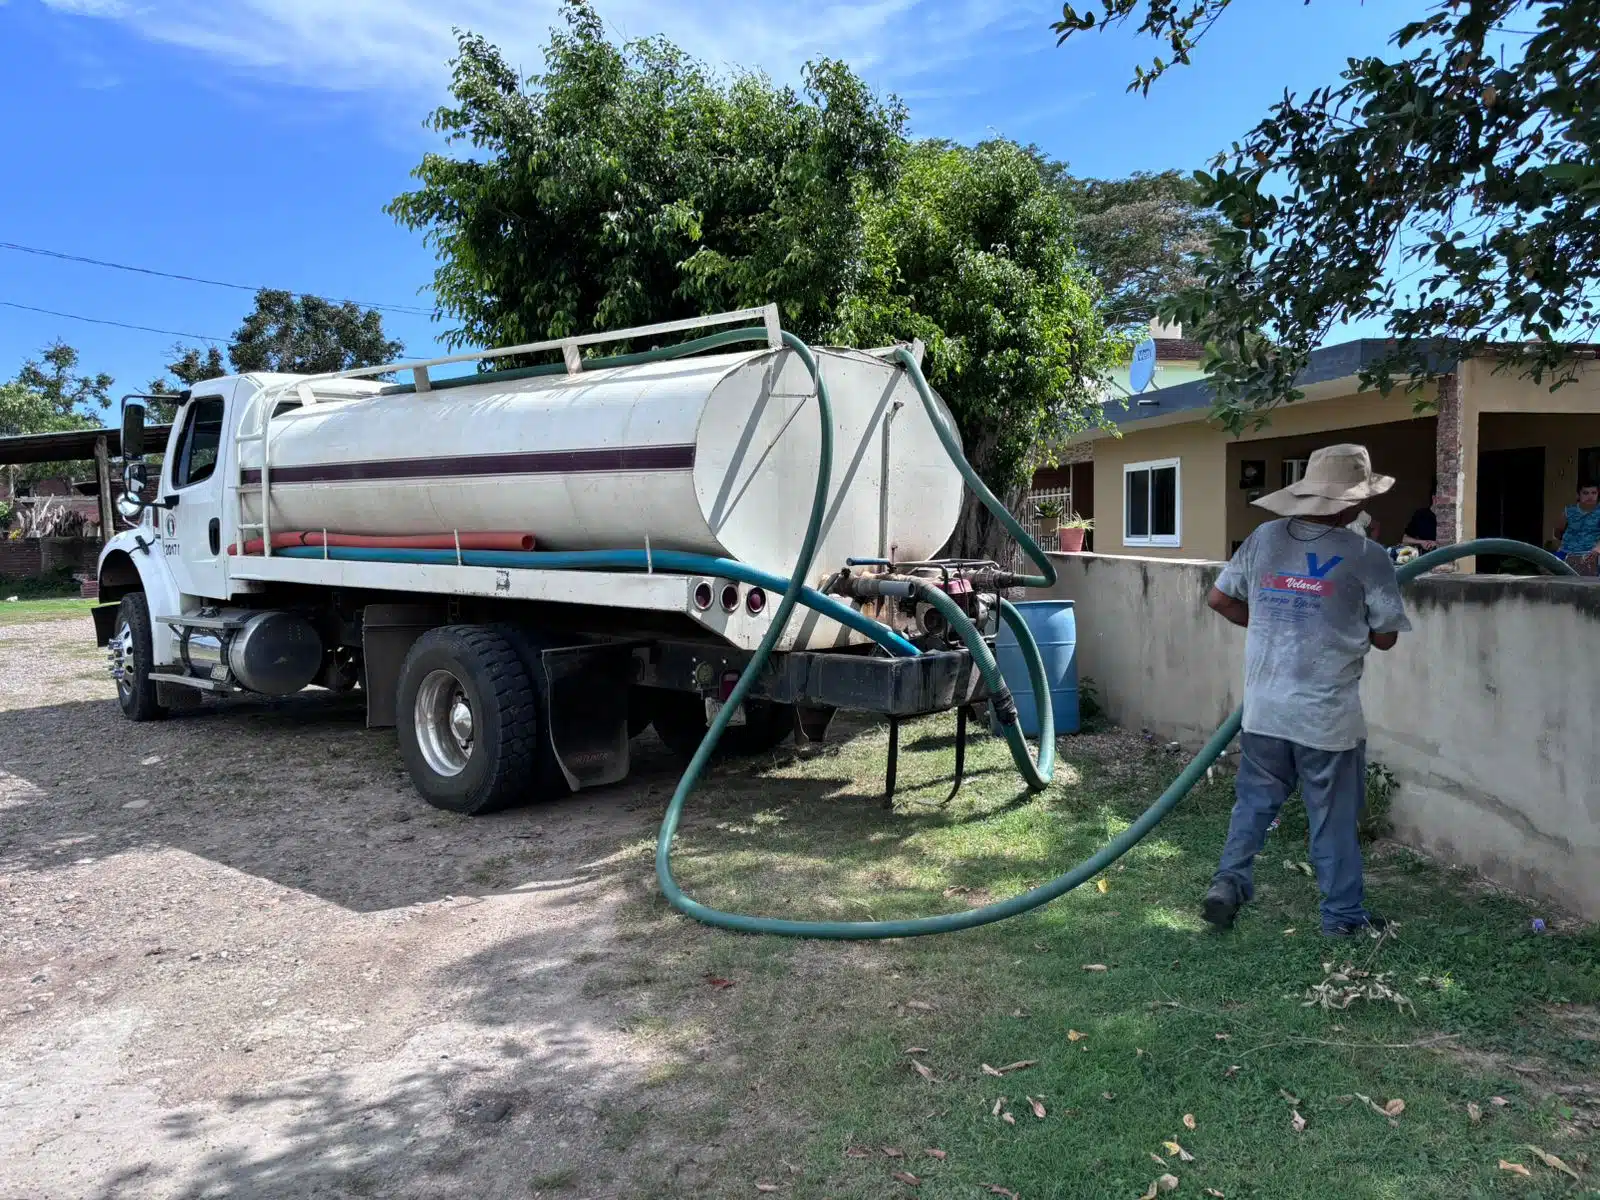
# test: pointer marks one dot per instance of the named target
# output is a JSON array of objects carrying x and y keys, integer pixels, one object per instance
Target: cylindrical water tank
[
  {"x": 715, "y": 455},
  {"x": 1054, "y": 625}
]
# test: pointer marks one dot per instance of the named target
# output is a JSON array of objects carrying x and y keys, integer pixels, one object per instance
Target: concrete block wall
[{"x": 1485, "y": 712}]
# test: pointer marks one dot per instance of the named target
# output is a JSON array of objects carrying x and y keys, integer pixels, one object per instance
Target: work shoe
[
  {"x": 1221, "y": 904},
  {"x": 1373, "y": 926}
]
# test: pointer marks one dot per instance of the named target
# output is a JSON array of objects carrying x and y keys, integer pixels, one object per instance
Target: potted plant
[
  {"x": 1069, "y": 536},
  {"x": 1049, "y": 513}
]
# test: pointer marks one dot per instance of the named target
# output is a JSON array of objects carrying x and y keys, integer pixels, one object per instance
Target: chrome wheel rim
[
  {"x": 119, "y": 650},
  {"x": 445, "y": 723}
]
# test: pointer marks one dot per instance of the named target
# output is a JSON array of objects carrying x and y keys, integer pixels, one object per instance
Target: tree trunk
[{"x": 978, "y": 533}]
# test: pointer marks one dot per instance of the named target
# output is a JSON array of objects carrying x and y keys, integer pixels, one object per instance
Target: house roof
[
  {"x": 73, "y": 446},
  {"x": 1343, "y": 361},
  {"x": 1178, "y": 350}
]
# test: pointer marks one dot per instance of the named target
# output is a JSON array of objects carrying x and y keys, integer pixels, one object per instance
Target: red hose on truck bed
[{"x": 414, "y": 541}]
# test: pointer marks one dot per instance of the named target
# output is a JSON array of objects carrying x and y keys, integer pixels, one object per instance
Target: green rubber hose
[{"x": 1037, "y": 775}]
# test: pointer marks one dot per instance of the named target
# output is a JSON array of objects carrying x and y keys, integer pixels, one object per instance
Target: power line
[
  {"x": 238, "y": 287},
  {"x": 119, "y": 324}
]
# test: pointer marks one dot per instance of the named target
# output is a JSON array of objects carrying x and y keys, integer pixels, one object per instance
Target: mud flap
[
  {"x": 586, "y": 704},
  {"x": 105, "y": 622},
  {"x": 387, "y": 634}
]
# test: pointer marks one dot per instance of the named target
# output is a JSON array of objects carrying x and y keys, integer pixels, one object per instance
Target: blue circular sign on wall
[{"x": 1143, "y": 369}]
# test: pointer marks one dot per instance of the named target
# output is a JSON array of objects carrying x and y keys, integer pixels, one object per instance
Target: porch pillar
[
  {"x": 102, "y": 472},
  {"x": 1449, "y": 466}
]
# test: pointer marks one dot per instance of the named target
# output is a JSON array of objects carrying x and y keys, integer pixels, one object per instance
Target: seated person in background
[
  {"x": 1580, "y": 530},
  {"x": 1422, "y": 531}
]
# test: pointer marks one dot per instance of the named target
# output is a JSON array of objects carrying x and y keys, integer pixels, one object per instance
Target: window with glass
[
  {"x": 1151, "y": 503},
  {"x": 200, "y": 442}
]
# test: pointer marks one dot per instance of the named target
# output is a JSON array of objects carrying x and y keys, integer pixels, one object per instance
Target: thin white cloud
[
  {"x": 403, "y": 45},
  {"x": 89, "y": 8}
]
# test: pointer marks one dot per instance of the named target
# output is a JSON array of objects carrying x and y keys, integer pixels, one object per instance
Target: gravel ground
[{"x": 239, "y": 957}]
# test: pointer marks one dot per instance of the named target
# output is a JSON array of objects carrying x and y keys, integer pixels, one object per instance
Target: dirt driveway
[{"x": 239, "y": 957}]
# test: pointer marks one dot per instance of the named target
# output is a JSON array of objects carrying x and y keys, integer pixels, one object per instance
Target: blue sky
[{"x": 256, "y": 141}]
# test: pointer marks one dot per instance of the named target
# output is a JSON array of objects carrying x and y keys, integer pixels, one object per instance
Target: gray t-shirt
[{"x": 1315, "y": 594}]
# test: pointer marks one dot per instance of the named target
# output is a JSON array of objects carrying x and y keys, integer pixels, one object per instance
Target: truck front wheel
[
  {"x": 131, "y": 658},
  {"x": 467, "y": 720}
]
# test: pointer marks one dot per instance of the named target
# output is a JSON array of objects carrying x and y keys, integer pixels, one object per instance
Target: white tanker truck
[{"x": 524, "y": 568}]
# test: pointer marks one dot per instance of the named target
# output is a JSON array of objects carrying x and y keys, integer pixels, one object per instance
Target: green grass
[
  {"x": 1182, "y": 1021},
  {"x": 22, "y": 612}
]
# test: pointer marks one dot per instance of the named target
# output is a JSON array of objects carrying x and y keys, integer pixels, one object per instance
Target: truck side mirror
[
  {"x": 132, "y": 430},
  {"x": 130, "y": 504}
]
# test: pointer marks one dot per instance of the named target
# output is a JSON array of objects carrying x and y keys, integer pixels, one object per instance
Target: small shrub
[
  {"x": 1381, "y": 785},
  {"x": 1088, "y": 699}
]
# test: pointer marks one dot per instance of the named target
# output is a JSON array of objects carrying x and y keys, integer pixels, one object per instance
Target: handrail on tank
[
  {"x": 269, "y": 400},
  {"x": 767, "y": 315}
]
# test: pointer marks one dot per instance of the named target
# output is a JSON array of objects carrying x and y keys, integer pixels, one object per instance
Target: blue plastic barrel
[{"x": 1055, "y": 627}]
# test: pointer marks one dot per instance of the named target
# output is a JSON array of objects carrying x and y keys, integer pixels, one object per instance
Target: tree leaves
[
  {"x": 305, "y": 335},
  {"x": 1446, "y": 188},
  {"x": 629, "y": 183}
]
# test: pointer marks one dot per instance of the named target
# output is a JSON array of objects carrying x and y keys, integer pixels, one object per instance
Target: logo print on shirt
[{"x": 1314, "y": 582}]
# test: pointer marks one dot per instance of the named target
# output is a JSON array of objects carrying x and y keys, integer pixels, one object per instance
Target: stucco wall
[
  {"x": 1479, "y": 712},
  {"x": 1202, "y": 518},
  {"x": 1214, "y": 510}
]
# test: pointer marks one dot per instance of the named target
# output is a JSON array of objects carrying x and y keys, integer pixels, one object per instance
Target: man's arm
[
  {"x": 1386, "y": 612},
  {"x": 1231, "y": 608}
]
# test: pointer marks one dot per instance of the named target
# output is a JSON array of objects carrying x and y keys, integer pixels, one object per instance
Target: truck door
[{"x": 192, "y": 528}]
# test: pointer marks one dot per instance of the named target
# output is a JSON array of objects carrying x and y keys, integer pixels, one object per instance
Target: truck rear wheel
[
  {"x": 467, "y": 721},
  {"x": 680, "y": 722},
  {"x": 131, "y": 660}
]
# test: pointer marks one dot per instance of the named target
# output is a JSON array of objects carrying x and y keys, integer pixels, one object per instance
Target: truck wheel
[
  {"x": 546, "y": 782},
  {"x": 467, "y": 722},
  {"x": 680, "y": 722},
  {"x": 131, "y": 660}
]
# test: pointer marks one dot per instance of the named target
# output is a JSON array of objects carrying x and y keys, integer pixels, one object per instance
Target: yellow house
[{"x": 1507, "y": 454}]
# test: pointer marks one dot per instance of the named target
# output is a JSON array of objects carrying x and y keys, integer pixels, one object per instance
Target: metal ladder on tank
[{"x": 302, "y": 391}]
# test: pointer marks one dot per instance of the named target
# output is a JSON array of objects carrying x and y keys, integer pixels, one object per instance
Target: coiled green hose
[{"x": 1037, "y": 774}]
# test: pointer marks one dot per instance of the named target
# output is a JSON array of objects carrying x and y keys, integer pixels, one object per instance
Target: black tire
[
  {"x": 680, "y": 722},
  {"x": 548, "y": 781},
  {"x": 478, "y": 667},
  {"x": 136, "y": 691}
]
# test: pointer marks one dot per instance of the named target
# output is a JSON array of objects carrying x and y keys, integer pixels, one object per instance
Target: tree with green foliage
[
  {"x": 1451, "y": 187},
  {"x": 627, "y": 184},
  {"x": 303, "y": 335},
  {"x": 188, "y": 366},
  {"x": 971, "y": 252},
  {"x": 66, "y": 394},
  {"x": 49, "y": 395},
  {"x": 1138, "y": 237}
]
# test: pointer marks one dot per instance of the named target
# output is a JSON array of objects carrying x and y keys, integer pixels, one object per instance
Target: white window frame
[{"x": 1175, "y": 538}]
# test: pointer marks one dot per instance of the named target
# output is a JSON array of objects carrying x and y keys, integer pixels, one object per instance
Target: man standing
[{"x": 1315, "y": 596}]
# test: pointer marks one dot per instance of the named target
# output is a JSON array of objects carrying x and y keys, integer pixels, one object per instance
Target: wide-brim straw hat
[{"x": 1336, "y": 478}]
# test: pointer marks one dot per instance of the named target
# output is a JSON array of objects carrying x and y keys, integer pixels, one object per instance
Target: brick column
[{"x": 1447, "y": 459}]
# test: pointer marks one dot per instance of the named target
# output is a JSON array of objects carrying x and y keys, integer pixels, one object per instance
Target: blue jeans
[{"x": 1333, "y": 784}]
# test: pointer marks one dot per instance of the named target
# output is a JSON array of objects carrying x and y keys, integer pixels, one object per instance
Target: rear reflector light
[
  {"x": 702, "y": 595},
  {"x": 730, "y": 598},
  {"x": 730, "y": 680},
  {"x": 755, "y": 600}
]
